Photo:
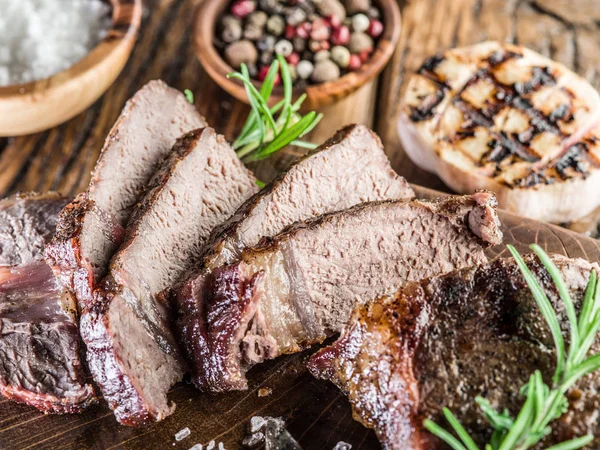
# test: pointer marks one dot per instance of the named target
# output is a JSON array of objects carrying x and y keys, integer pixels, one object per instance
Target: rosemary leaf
[
  {"x": 438, "y": 431},
  {"x": 546, "y": 309},
  {"x": 565, "y": 296},
  {"x": 460, "y": 430},
  {"x": 573, "y": 444},
  {"x": 189, "y": 95}
]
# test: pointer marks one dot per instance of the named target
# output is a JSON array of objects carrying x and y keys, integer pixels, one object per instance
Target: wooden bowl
[
  {"x": 31, "y": 107},
  {"x": 319, "y": 95}
]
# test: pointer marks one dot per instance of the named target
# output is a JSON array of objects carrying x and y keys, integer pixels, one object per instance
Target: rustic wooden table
[{"x": 62, "y": 158}]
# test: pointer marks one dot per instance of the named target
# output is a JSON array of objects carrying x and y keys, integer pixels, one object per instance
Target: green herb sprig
[
  {"x": 269, "y": 129},
  {"x": 543, "y": 403}
]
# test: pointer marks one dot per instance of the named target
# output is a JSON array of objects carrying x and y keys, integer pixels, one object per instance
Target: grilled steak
[
  {"x": 348, "y": 169},
  {"x": 299, "y": 287},
  {"x": 91, "y": 228},
  {"x": 501, "y": 117},
  {"x": 39, "y": 340},
  {"x": 131, "y": 351},
  {"x": 443, "y": 341}
]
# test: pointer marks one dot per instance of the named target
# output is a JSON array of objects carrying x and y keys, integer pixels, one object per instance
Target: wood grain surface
[{"x": 316, "y": 413}]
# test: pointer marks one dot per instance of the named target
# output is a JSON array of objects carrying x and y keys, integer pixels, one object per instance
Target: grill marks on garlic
[{"x": 506, "y": 113}]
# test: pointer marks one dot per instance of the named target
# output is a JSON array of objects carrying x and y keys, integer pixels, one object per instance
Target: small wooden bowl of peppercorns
[{"x": 333, "y": 47}]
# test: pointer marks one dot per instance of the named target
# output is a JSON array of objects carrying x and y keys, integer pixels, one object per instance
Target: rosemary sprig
[
  {"x": 269, "y": 129},
  {"x": 543, "y": 403}
]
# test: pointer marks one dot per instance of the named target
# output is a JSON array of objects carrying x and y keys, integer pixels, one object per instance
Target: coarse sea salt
[
  {"x": 39, "y": 38},
  {"x": 182, "y": 434}
]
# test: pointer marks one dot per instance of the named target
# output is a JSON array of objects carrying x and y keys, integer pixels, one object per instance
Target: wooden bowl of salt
[{"x": 38, "y": 105}]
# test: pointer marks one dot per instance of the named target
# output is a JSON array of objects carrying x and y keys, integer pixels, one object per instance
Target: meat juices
[
  {"x": 299, "y": 287},
  {"x": 501, "y": 117},
  {"x": 131, "y": 352},
  {"x": 39, "y": 340},
  {"x": 443, "y": 341}
]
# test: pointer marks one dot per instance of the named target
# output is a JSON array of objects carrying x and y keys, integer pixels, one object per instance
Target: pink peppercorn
[
  {"x": 293, "y": 58},
  {"x": 354, "y": 63},
  {"x": 320, "y": 30},
  {"x": 334, "y": 21},
  {"x": 242, "y": 8},
  {"x": 290, "y": 32},
  {"x": 262, "y": 74},
  {"x": 375, "y": 28},
  {"x": 303, "y": 30},
  {"x": 364, "y": 55},
  {"x": 340, "y": 36}
]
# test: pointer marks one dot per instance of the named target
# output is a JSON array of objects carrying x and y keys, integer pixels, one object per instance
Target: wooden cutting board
[{"x": 315, "y": 411}]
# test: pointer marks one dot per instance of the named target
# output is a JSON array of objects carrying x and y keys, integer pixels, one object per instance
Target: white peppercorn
[
  {"x": 360, "y": 42},
  {"x": 258, "y": 19},
  {"x": 324, "y": 71},
  {"x": 276, "y": 25},
  {"x": 284, "y": 48},
  {"x": 321, "y": 55},
  {"x": 295, "y": 16},
  {"x": 360, "y": 23},
  {"x": 341, "y": 56},
  {"x": 304, "y": 69},
  {"x": 231, "y": 29}
]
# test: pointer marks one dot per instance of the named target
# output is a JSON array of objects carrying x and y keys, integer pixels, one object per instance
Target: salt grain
[
  {"x": 182, "y": 434},
  {"x": 39, "y": 38},
  {"x": 210, "y": 445},
  {"x": 196, "y": 447},
  {"x": 342, "y": 446}
]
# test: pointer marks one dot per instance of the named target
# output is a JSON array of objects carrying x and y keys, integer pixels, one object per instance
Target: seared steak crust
[
  {"x": 299, "y": 287},
  {"x": 131, "y": 351},
  {"x": 75, "y": 272},
  {"x": 40, "y": 362},
  {"x": 442, "y": 341}
]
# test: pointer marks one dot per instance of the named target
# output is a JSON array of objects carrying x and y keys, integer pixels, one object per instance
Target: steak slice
[
  {"x": 131, "y": 352},
  {"x": 501, "y": 117},
  {"x": 348, "y": 169},
  {"x": 443, "y": 341},
  {"x": 90, "y": 229},
  {"x": 40, "y": 362},
  {"x": 300, "y": 286}
]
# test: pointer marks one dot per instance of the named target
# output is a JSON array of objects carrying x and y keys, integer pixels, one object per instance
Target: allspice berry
[
  {"x": 276, "y": 25},
  {"x": 357, "y": 6},
  {"x": 325, "y": 70},
  {"x": 241, "y": 52},
  {"x": 231, "y": 29},
  {"x": 341, "y": 56},
  {"x": 331, "y": 8}
]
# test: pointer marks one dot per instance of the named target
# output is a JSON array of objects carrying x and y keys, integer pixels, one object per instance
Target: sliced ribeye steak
[
  {"x": 501, "y": 117},
  {"x": 131, "y": 352},
  {"x": 299, "y": 287},
  {"x": 39, "y": 340},
  {"x": 443, "y": 341},
  {"x": 91, "y": 228}
]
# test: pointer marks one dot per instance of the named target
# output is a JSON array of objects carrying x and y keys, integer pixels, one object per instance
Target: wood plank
[{"x": 567, "y": 31}]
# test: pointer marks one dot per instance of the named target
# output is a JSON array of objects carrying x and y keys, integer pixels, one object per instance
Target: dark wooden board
[{"x": 317, "y": 414}]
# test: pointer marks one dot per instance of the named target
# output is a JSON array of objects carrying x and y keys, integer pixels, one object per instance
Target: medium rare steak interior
[
  {"x": 443, "y": 341},
  {"x": 39, "y": 340},
  {"x": 131, "y": 352},
  {"x": 299, "y": 287},
  {"x": 91, "y": 228}
]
